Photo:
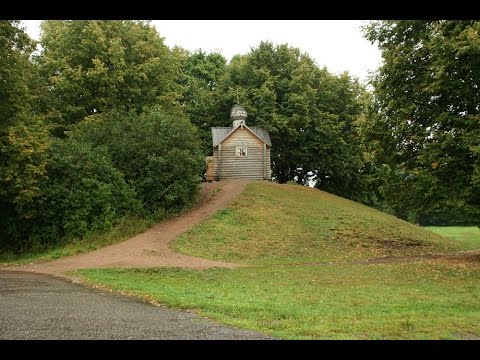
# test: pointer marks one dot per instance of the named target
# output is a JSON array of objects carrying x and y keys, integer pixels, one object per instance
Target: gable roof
[
  {"x": 219, "y": 134},
  {"x": 262, "y": 134}
]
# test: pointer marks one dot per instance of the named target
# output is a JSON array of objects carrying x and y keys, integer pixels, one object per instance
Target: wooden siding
[
  {"x": 215, "y": 162},
  {"x": 268, "y": 167},
  {"x": 256, "y": 165}
]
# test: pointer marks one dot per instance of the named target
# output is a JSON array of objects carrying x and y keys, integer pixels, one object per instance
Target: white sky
[{"x": 336, "y": 44}]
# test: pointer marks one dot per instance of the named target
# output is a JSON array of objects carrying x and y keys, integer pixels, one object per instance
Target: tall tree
[
  {"x": 308, "y": 112},
  {"x": 200, "y": 75},
  {"x": 428, "y": 125},
  {"x": 15, "y": 71},
  {"x": 94, "y": 66},
  {"x": 23, "y": 137}
]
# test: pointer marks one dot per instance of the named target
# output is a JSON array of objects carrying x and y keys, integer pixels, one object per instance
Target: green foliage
[
  {"x": 125, "y": 228},
  {"x": 24, "y": 139},
  {"x": 200, "y": 75},
  {"x": 21, "y": 147},
  {"x": 426, "y": 123},
  {"x": 22, "y": 166},
  {"x": 93, "y": 66},
  {"x": 309, "y": 113},
  {"x": 159, "y": 154},
  {"x": 117, "y": 165},
  {"x": 15, "y": 72},
  {"x": 82, "y": 192}
]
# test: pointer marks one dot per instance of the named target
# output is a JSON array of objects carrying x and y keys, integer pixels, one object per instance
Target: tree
[
  {"x": 24, "y": 139},
  {"x": 336, "y": 157},
  {"x": 158, "y": 154},
  {"x": 83, "y": 192},
  {"x": 15, "y": 70},
  {"x": 308, "y": 111},
  {"x": 428, "y": 128},
  {"x": 200, "y": 75},
  {"x": 92, "y": 66}
]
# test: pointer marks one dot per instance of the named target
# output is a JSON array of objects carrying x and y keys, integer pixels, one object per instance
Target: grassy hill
[
  {"x": 302, "y": 279},
  {"x": 272, "y": 223}
]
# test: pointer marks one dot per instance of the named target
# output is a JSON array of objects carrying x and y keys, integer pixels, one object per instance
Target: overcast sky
[{"x": 336, "y": 44}]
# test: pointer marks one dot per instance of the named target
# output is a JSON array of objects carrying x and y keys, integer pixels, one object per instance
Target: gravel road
[{"x": 38, "y": 306}]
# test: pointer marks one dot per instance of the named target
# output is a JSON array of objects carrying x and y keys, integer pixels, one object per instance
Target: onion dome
[{"x": 238, "y": 113}]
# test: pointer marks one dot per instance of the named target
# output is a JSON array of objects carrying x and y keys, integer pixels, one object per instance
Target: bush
[
  {"x": 110, "y": 166},
  {"x": 159, "y": 155},
  {"x": 83, "y": 192}
]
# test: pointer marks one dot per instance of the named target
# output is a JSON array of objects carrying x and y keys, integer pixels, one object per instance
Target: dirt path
[{"x": 151, "y": 248}]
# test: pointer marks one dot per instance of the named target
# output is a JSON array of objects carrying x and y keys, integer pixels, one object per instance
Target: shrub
[
  {"x": 83, "y": 192},
  {"x": 159, "y": 155}
]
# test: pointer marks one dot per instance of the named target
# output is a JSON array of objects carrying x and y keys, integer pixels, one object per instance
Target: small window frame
[{"x": 241, "y": 152}]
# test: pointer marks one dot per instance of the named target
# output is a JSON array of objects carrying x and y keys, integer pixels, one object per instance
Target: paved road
[{"x": 36, "y": 306}]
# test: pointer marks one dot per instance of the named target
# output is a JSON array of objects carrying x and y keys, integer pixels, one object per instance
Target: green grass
[
  {"x": 300, "y": 282},
  {"x": 382, "y": 301},
  {"x": 279, "y": 224},
  {"x": 468, "y": 235}
]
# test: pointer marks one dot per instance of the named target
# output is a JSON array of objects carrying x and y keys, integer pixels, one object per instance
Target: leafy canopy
[
  {"x": 427, "y": 125},
  {"x": 309, "y": 113},
  {"x": 93, "y": 66}
]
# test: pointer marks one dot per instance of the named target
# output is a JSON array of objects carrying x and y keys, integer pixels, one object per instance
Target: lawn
[
  {"x": 468, "y": 235},
  {"x": 381, "y": 301},
  {"x": 301, "y": 281}
]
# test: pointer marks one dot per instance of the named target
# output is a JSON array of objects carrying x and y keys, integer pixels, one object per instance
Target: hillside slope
[
  {"x": 271, "y": 223},
  {"x": 304, "y": 281}
]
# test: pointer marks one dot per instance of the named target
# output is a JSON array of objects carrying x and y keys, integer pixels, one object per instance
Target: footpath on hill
[
  {"x": 151, "y": 248},
  {"x": 34, "y": 305}
]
